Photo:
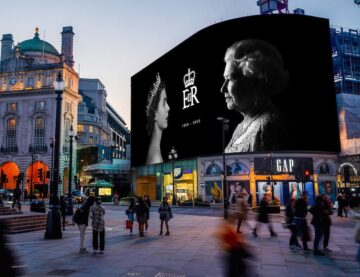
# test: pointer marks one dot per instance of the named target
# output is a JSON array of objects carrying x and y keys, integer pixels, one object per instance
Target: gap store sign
[{"x": 266, "y": 166}]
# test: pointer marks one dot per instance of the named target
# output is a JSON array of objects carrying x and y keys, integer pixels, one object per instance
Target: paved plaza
[{"x": 191, "y": 249}]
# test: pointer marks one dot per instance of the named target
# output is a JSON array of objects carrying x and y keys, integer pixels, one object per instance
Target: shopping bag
[{"x": 128, "y": 224}]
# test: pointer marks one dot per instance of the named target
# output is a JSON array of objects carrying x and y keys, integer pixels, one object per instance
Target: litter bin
[{"x": 37, "y": 206}]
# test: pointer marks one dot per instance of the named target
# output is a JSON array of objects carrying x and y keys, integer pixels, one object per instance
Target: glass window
[
  {"x": 91, "y": 129},
  {"x": 10, "y": 139},
  {"x": 12, "y": 107},
  {"x": 39, "y": 140},
  {"x": 91, "y": 139},
  {"x": 30, "y": 82},
  {"x": 80, "y": 128},
  {"x": 81, "y": 108},
  {"x": 48, "y": 80},
  {"x": 40, "y": 105}
]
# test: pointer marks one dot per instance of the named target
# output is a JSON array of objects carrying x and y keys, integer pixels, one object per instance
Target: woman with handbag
[
  {"x": 130, "y": 212},
  {"x": 165, "y": 215}
]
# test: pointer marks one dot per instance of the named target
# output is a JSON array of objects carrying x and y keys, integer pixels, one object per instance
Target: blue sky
[{"x": 114, "y": 39}]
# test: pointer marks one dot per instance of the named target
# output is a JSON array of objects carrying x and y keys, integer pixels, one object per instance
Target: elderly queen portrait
[{"x": 254, "y": 72}]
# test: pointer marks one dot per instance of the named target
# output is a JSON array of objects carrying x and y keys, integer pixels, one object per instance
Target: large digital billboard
[{"x": 274, "y": 84}]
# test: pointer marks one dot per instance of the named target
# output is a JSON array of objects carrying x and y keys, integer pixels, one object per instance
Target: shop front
[
  {"x": 279, "y": 175},
  {"x": 178, "y": 178}
]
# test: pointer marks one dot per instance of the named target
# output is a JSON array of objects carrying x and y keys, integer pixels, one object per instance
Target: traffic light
[
  {"x": 307, "y": 174},
  {"x": 40, "y": 174}
]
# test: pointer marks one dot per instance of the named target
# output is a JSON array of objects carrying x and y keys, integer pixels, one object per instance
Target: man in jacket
[{"x": 83, "y": 222}]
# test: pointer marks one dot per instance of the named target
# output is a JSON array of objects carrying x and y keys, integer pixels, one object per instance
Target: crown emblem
[
  {"x": 189, "y": 78},
  {"x": 152, "y": 93}
]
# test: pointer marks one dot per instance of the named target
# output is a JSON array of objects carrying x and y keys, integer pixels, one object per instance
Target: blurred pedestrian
[
  {"x": 63, "y": 210},
  {"x": 131, "y": 214},
  {"x": 345, "y": 204},
  {"x": 97, "y": 213},
  {"x": 327, "y": 222},
  {"x": 340, "y": 201},
  {"x": 165, "y": 215},
  {"x": 236, "y": 250},
  {"x": 148, "y": 204},
  {"x": 116, "y": 198},
  {"x": 16, "y": 196},
  {"x": 356, "y": 215},
  {"x": 83, "y": 221},
  {"x": 241, "y": 211},
  {"x": 263, "y": 216},
  {"x": 318, "y": 222},
  {"x": 300, "y": 214},
  {"x": 140, "y": 210},
  {"x": 290, "y": 211}
]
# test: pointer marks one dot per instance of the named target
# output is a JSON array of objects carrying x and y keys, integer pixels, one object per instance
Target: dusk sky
[{"x": 114, "y": 39}]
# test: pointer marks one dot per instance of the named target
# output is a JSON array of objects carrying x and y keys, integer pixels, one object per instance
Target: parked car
[
  {"x": 6, "y": 194},
  {"x": 78, "y": 196}
]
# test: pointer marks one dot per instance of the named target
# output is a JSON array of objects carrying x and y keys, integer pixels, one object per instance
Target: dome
[{"x": 37, "y": 45}]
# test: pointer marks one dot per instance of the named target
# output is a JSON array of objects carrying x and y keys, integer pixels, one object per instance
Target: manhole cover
[
  {"x": 61, "y": 272},
  {"x": 164, "y": 274}
]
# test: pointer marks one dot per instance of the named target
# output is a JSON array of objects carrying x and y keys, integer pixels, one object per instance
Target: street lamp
[
  {"x": 52, "y": 144},
  {"x": 225, "y": 127},
  {"x": 173, "y": 156},
  {"x": 53, "y": 224},
  {"x": 71, "y": 134}
]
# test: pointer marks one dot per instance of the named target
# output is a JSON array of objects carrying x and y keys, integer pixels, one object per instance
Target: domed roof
[{"x": 37, "y": 45}]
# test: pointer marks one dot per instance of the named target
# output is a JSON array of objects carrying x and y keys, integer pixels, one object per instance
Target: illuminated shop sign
[
  {"x": 176, "y": 100},
  {"x": 266, "y": 166}
]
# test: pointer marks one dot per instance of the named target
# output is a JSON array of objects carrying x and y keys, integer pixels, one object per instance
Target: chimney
[
  {"x": 67, "y": 37},
  {"x": 6, "y": 46}
]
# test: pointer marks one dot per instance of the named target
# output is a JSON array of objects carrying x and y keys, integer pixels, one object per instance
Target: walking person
[
  {"x": 327, "y": 222},
  {"x": 345, "y": 204},
  {"x": 301, "y": 211},
  {"x": 63, "y": 210},
  {"x": 263, "y": 217},
  {"x": 16, "y": 197},
  {"x": 290, "y": 211},
  {"x": 318, "y": 222},
  {"x": 140, "y": 210},
  {"x": 340, "y": 201},
  {"x": 97, "y": 213},
  {"x": 165, "y": 215},
  {"x": 83, "y": 221},
  {"x": 241, "y": 211},
  {"x": 148, "y": 204},
  {"x": 131, "y": 214}
]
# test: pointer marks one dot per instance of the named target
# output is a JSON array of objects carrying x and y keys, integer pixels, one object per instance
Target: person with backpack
[
  {"x": 97, "y": 213},
  {"x": 140, "y": 210},
  {"x": 81, "y": 218},
  {"x": 130, "y": 212},
  {"x": 165, "y": 215}
]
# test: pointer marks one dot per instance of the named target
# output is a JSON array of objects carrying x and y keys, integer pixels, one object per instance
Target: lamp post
[
  {"x": 53, "y": 224},
  {"x": 50, "y": 192},
  {"x": 173, "y": 156},
  {"x": 224, "y": 127},
  {"x": 72, "y": 137},
  {"x": 31, "y": 177}
]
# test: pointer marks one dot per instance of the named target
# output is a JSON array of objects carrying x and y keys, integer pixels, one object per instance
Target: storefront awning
[{"x": 106, "y": 167}]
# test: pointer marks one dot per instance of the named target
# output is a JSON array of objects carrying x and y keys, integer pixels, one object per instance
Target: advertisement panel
[{"x": 275, "y": 89}]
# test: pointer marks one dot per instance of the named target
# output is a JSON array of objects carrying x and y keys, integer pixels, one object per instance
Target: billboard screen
[{"x": 275, "y": 88}]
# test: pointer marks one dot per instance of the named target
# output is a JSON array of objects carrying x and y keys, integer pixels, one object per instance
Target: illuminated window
[
  {"x": 91, "y": 139},
  {"x": 48, "y": 80},
  {"x": 10, "y": 139},
  {"x": 12, "y": 107},
  {"x": 39, "y": 140},
  {"x": 91, "y": 129},
  {"x": 80, "y": 128},
  {"x": 40, "y": 105}
]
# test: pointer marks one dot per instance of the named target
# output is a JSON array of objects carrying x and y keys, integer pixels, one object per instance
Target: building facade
[{"x": 27, "y": 104}]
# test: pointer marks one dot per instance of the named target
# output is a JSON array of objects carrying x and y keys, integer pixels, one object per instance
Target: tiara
[{"x": 152, "y": 93}]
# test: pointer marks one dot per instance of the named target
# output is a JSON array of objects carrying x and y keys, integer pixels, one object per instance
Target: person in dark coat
[
  {"x": 318, "y": 222},
  {"x": 63, "y": 210},
  {"x": 16, "y": 197},
  {"x": 290, "y": 221},
  {"x": 340, "y": 201},
  {"x": 148, "y": 204},
  {"x": 301, "y": 211},
  {"x": 141, "y": 210},
  {"x": 165, "y": 215},
  {"x": 84, "y": 222},
  {"x": 263, "y": 216},
  {"x": 327, "y": 222}
]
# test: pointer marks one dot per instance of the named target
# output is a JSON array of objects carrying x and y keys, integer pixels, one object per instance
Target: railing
[
  {"x": 9, "y": 149},
  {"x": 38, "y": 149}
]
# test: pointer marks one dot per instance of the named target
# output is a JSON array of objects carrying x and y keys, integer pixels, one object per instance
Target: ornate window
[
  {"x": 11, "y": 107},
  {"x": 30, "y": 82},
  {"x": 10, "y": 139},
  {"x": 39, "y": 140},
  {"x": 39, "y": 105}
]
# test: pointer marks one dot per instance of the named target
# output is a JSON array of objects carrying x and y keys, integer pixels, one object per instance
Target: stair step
[{"x": 26, "y": 230}]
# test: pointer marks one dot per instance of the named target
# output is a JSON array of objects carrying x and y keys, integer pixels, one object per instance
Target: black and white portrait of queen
[
  {"x": 157, "y": 112},
  {"x": 254, "y": 72}
]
